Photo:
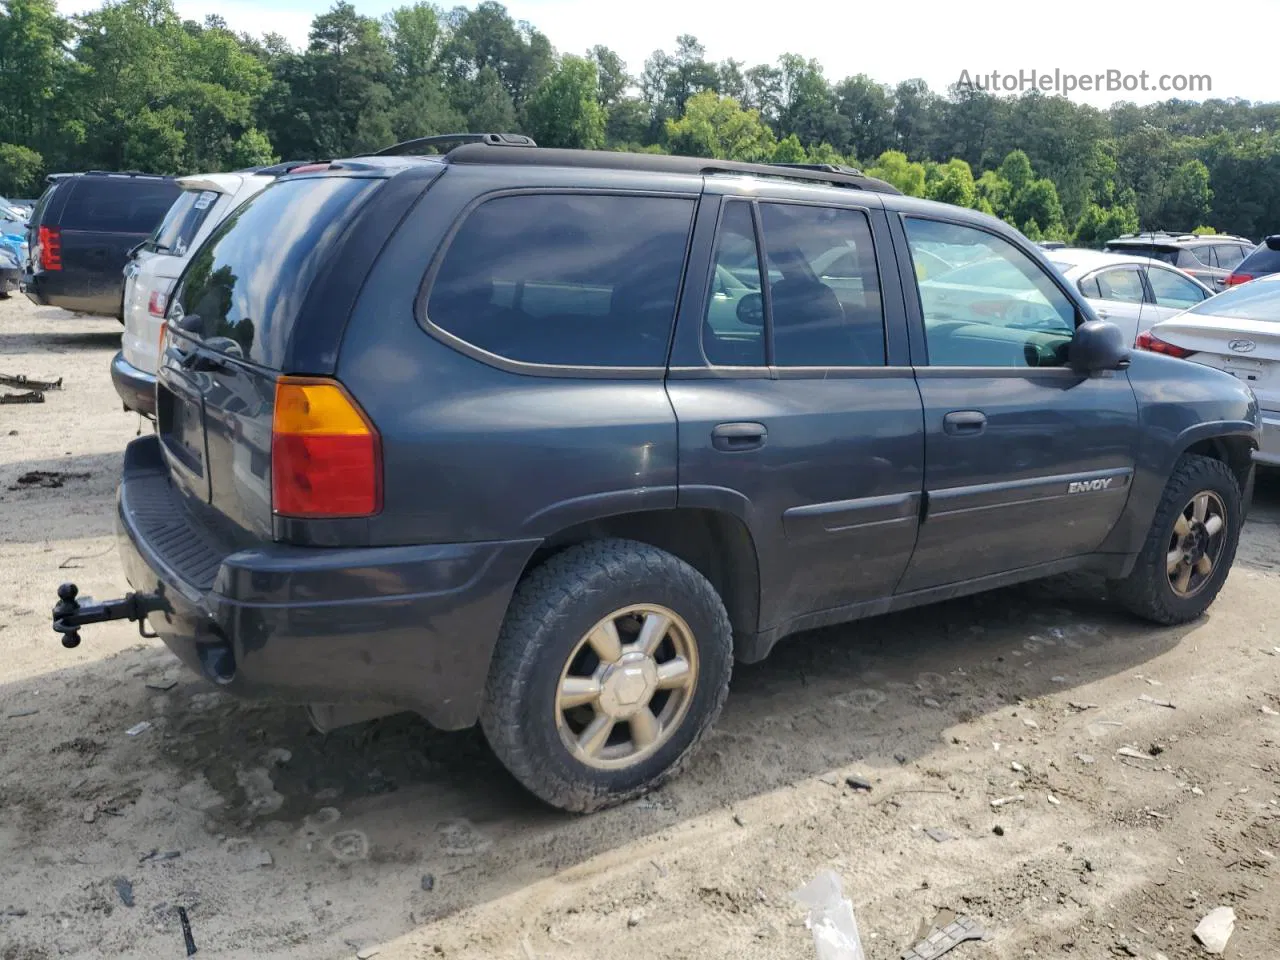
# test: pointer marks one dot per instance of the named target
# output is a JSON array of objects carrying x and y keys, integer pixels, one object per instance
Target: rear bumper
[
  {"x": 32, "y": 286},
  {"x": 1268, "y": 454},
  {"x": 409, "y": 627},
  {"x": 136, "y": 388}
]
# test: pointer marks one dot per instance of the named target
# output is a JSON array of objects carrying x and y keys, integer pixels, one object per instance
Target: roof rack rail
[
  {"x": 482, "y": 152},
  {"x": 129, "y": 173},
  {"x": 823, "y": 167},
  {"x": 492, "y": 139}
]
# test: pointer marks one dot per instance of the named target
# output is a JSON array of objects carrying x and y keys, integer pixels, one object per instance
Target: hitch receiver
[{"x": 69, "y": 615}]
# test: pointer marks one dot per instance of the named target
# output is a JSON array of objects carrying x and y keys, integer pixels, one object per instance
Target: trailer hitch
[{"x": 69, "y": 615}]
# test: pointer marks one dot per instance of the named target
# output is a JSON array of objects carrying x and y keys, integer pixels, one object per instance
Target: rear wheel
[
  {"x": 1190, "y": 547},
  {"x": 613, "y": 662}
]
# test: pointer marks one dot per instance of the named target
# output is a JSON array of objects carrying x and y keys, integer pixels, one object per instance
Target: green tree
[
  {"x": 894, "y": 167},
  {"x": 565, "y": 110},
  {"x": 1038, "y": 202},
  {"x": 1015, "y": 170},
  {"x": 611, "y": 74},
  {"x": 956, "y": 186},
  {"x": 992, "y": 190},
  {"x": 1188, "y": 197},
  {"x": 718, "y": 127},
  {"x": 1098, "y": 224},
  {"x": 789, "y": 150},
  {"x": 19, "y": 170}
]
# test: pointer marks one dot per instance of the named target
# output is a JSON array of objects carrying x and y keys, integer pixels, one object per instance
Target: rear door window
[
  {"x": 183, "y": 221},
  {"x": 246, "y": 285},
  {"x": 824, "y": 291},
  {"x": 118, "y": 204},
  {"x": 1172, "y": 290},
  {"x": 576, "y": 280},
  {"x": 1229, "y": 254},
  {"x": 1122, "y": 284}
]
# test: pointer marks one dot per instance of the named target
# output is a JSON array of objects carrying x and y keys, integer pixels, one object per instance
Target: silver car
[{"x": 1131, "y": 292}]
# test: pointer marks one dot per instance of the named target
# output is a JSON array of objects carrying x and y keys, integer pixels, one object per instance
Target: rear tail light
[
  {"x": 326, "y": 456},
  {"x": 1238, "y": 278},
  {"x": 156, "y": 303},
  {"x": 50, "y": 248},
  {"x": 1146, "y": 341}
]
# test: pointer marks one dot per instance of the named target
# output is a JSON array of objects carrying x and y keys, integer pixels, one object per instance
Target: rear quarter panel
[{"x": 473, "y": 452}]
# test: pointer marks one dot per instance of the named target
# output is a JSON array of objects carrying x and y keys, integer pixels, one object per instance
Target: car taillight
[
  {"x": 50, "y": 248},
  {"x": 156, "y": 303},
  {"x": 1154, "y": 344},
  {"x": 1237, "y": 278},
  {"x": 326, "y": 457}
]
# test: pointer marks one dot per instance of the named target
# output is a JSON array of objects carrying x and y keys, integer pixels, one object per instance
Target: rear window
[
  {"x": 1249, "y": 301},
  {"x": 565, "y": 279},
  {"x": 1138, "y": 250},
  {"x": 118, "y": 204},
  {"x": 1262, "y": 260},
  {"x": 183, "y": 221},
  {"x": 246, "y": 284}
]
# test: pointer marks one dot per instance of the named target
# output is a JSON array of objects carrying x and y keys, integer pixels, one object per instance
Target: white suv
[{"x": 206, "y": 200}]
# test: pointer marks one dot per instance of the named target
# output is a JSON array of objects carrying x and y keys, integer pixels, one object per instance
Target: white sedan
[
  {"x": 1131, "y": 292},
  {"x": 1237, "y": 331}
]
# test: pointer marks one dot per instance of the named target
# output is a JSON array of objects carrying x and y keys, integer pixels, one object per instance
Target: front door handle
[
  {"x": 964, "y": 422},
  {"x": 1102, "y": 314},
  {"x": 732, "y": 437}
]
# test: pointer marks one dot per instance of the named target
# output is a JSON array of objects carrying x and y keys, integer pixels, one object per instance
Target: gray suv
[
  {"x": 549, "y": 440},
  {"x": 1210, "y": 258}
]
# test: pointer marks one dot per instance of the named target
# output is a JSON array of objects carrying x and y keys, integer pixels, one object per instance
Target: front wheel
[
  {"x": 1190, "y": 547},
  {"x": 612, "y": 664}
]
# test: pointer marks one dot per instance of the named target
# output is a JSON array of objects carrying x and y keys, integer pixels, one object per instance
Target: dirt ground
[{"x": 392, "y": 837}]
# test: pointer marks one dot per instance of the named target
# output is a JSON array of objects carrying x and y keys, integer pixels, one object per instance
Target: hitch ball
[{"x": 66, "y": 607}]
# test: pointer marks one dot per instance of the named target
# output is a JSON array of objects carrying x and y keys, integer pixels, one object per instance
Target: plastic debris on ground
[
  {"x": 830, "y": 919},
  {"x": 1215, "y": 929}
]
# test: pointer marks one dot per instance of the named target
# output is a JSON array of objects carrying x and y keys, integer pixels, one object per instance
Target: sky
[{"x": 939, "y": 41}]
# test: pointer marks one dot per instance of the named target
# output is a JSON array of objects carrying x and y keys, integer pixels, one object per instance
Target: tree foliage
[{"x": 134, "y": 85}]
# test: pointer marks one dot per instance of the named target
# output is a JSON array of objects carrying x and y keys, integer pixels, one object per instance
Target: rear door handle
[
  {"x": 964, "y": 422},
  {"x": 732, "y": 437}
]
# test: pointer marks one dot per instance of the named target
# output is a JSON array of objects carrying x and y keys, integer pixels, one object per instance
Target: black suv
[
  {"x": 82, "y": 231},
  {"x": 549, "y": 438},
  {"x": 1209, "y": 258}
]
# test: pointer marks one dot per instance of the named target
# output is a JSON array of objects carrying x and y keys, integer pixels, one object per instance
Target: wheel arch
[{"x": 716, "y": 543}]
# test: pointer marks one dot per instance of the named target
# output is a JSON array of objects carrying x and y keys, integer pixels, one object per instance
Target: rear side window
[
  {"x": 38, "y": 210},
  {"x": 565, "y": 279},
  {"x": 183, "y": 221},
  {"x": 247, "y": 283},
  {"x": 118, "y": 204}
]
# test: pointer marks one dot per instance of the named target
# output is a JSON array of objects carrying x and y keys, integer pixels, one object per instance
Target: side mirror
[
  {"x": 751, "y": 310},
  {"x": 1097, "y": 347}
]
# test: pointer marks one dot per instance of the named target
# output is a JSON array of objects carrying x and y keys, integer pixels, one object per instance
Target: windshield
[{"x": 1259, "y": 300}]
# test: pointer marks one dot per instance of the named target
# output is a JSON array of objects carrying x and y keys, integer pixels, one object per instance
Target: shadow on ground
[{"x": 881, "y": 693}]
